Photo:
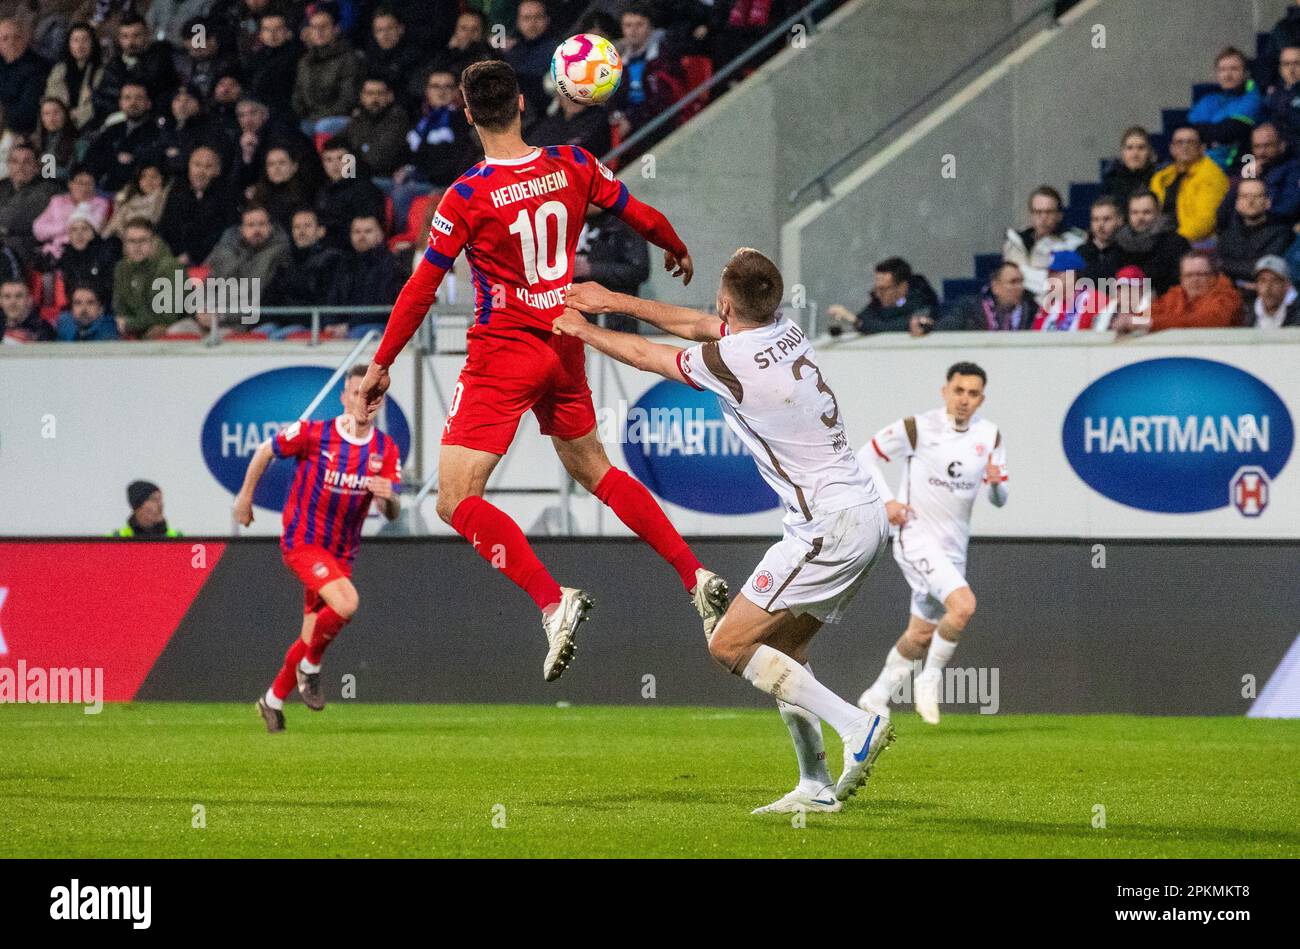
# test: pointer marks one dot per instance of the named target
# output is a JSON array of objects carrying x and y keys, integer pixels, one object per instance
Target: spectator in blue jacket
[
  {"x": 1225, "y": 117},
  {"x": 86, "y": 320},
  {"x": 1282, "y": 106},
  {"x": 1274, "y": 166}
]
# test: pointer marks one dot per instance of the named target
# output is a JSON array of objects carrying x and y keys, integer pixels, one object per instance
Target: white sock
[
  {"x": 308, "y": 667},
  {"x": 806, "y": 733},
  {"x": 781, "y": 677},
  {"x": 274, "y": 701},
  {"x": 941, "y": 651},
  {"x": 885, "y": 688}
]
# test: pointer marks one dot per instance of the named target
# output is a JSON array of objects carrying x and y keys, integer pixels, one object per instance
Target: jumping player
[
  {"x": 342, "y": 464},
  {"x": 774, "y": 397},
  {"x": 947, "y": 455},
  {"x": 517, "y": 216}
]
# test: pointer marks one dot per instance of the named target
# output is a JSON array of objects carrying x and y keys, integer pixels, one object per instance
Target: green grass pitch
[{"x": 431, "y": 781}]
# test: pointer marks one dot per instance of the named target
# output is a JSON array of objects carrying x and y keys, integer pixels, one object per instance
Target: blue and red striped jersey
[{"x": 330, "y": 496}]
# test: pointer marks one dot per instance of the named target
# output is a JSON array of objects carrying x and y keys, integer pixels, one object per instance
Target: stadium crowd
[{"x": 303, "y": 145}]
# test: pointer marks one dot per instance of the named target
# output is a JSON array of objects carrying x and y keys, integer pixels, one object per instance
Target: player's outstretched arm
[
  {"x": 256, "y": 467},
  {"x": 627, "y": 348},
  {"x": 408, "y": 313},
  {"x": 680, "y": 321}
]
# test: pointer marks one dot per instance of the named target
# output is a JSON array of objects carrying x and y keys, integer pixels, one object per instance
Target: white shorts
[
  {"x": 817, "y": 567},
  {"x": 931, "y": 572}
]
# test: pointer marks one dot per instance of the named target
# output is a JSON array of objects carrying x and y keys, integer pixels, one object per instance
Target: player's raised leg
[
  {"x": 767, "y": 650},
  {"x": 959, "y": 607},
  {"x": 462, "y": 478},
  {"x": 903, "y": 656},
  {"x": 585, "y": 459}
]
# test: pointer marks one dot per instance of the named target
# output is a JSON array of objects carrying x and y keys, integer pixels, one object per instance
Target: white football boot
[
  {"x": 561, "y": 629},
  {"x": 803, "y": 799},
  {"x": 862, "y": 747},
  {"x": 710, "y": 599},
  {"x": 926, "y": 695}
]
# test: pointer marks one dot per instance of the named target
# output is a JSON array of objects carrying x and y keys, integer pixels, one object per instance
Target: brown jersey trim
[
  {"x": 771, "y": 456},
  {"x": 713, "y": 362},
  {"x": 909, "y": 424},
  {"x": 807, "y": 558}
]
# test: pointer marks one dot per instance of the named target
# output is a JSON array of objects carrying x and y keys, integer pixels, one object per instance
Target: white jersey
[
  {"x": 777, "y": 402},
  {"x": 943, "y": 470}
]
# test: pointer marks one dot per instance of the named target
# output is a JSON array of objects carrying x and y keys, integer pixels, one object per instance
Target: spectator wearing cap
[
  {"x": 1204, "y": 298},
  {"x": 23, "y": 324},
  {"x": 88, "y": 259},
  {"x": 1101, "y": 253},
  {"x": 1225, "y": 116},
  {"x": 1002, "y": 305},
  {"x": 51, "y": 226},
  {"x": 325, "y": 89},
  {"x": 1277, "y": 303},
  {"x": 1248, "y": 233},
  {"x": 1032, "y": 248},
  {"x": 1132, "y": 172},
  {"x": 147, "y": 520},
  {"x": 23, "y": 196},
  {"x": 86, "y": 320},
  {"x": 22, "y": 75},
  {"x": 139, "y": 60},
  {"x": 1067, "y": 302},
  {"x": 1132, "y": 294},
  {"x": 1282, "y": 104},
  {"x": 1272, "y": 164},
  {"x": 1191, "y": 188},
  {"x": 119, "y": 147},
  {"x": 199, "y": 208},
  {"x": 901, "y": 301},
  {"x": 188, "y": 126},
  {"x": 378, "y": 129},
  {"x": 273, "y": 67},
  {"x": 1148, "y": 241}
]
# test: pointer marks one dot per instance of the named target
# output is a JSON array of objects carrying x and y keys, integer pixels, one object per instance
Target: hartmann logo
[{"x": 1173, "y": 435}]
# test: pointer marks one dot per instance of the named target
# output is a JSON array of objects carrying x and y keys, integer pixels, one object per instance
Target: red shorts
[
  {"x": 314, "y": 566},
  {"x": 506, "y": 373}
]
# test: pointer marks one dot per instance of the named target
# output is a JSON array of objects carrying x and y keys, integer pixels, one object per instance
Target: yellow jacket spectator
[
  {"x": 1191, "y": 189},
  {"x": 146, "y": 521}
]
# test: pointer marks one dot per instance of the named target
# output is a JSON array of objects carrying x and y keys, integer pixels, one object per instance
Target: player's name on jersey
[
  {"x": 783, "y": 346},
  {"x": 530, "y": 188},
  {"x": 546, "y": 300}
]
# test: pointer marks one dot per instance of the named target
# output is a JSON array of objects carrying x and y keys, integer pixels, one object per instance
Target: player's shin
[
  {"x": 806, "y": 733},
  {"x": 639, "y": 511},
  {"x": 784, "y": 679},
  {"x": 885, "y": 688},
  {"x": 328, "y": 626},
  {"x": 500, "y": 542},
  {"x": 942, "y": 646},
  {"x": 288, "y": 676}
]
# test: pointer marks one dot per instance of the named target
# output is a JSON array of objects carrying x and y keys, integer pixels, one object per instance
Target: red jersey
[
  {"x": 518, "y": 221},
  {"x": 330, "y": 498}
]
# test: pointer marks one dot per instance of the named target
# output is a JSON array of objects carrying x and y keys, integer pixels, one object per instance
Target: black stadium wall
[{"x": 1161, "y": 628}]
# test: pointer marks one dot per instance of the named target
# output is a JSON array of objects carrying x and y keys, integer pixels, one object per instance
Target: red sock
[
  {"x": 328, "y": 624},
  {"x": 637, "y": 508},
  {"x": 287, "y": 680},
  {"x": 500, "y": 542}
]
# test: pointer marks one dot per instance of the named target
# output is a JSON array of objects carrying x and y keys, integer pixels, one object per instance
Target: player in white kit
[
  {"x": 774, "y": 397},
  {"x": 948, "y": 455}
]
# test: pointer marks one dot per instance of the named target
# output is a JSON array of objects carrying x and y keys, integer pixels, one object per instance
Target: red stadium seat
[
  {"x": 253, "y": 337},
  {"x": 699, "y": 70},
  {"x": 298, "y": 336},
  {"x": 179, "y": 338},
  {"x": 58, "y": 303},
  {"x": 319, "y": 140},
  {"x": 414, "y": 231},
  {"x": 615, "y": 139}
]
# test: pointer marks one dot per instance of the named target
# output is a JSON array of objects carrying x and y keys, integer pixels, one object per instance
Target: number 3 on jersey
[{"x": 535, "y": 241}]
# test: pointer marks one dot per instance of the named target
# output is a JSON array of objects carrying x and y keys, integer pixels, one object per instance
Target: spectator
[
  {"x": 530, "y": 51},
  {"x": 901, "y": 302},
  {"x": 652, "y": 79},
  {"x": 1282, "y": 105},
  {"x": 612, "y": 254},
  {"x": 206, "y": 58},
  {"x": 1203, "y": 298},
  {"x": 75, "y": 77},
  {"x": 171, "y": 20},
  {"x": 571, "y": 123},
  {"x": 378, "y": 128},
  {"x": 146, "y": 258},
  {"x": 88, "y": 259},
  {"x": 22, "y": 75},
  {"x": 1272, "y": 165},
  {"x": 23, "y": 196},
  {"x": 1068, "y": 303},
  {"x": 736, "y": 25},
  {"x": 226, "y": 96},
  {"x": 273, "y": 68},
  {"x": 147, "y": 521},
  {"x": 1132, "y": 173},
  {"x": 258, "y": 132},
  {"x": 144, "y": 196},
  {"x": 468, "y": 44},
  {"x": 1248, "y": 233},
  {"x": 1032, "y": 249},
  {"x": 440, "y": 147},
  {"x": 391, "y": 55},
  {"x": 23, "y": 324},
  {"x": 1191, "y": 188},
  {"x": 325, "y": 89},
  {"x": 1101, "y": 252},
  {"x": 255, "y": 250},
  {"x": 309, "y": 266},
  {"x": 198, "y": 209},
  {"x": 348, "y": 193},
  {"x": 1276, "y": 302},
  {"x": 188, "y": 127},
  {"x": 283, "y": 188},
  {"x": 137, "y": 60},
  {"x": 55, "y": 140},
  {"x": 86, "y": 320},
  {"x": 367, "y": 275},
  {"x": 119, "y": 147},
  {"x": 1225, "y": 117},
  {"x": 1149, "y": 242},
  {"x": 1285, "y": 33},
  {"x": 1003, "y": 304},
  {"x": 51, "y": 226}
]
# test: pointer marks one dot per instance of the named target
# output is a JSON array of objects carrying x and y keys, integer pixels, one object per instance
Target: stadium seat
[
  {"x": 300, "y": 336},
  {"x": 319, "y": 140},
  {"x": 413, "y": 233},
  {"x": 699, "y": 70},
  {"x": 251, "y": 337},
  {"x": 198, "y": 272},
  {"x": 179, "y": 338}
]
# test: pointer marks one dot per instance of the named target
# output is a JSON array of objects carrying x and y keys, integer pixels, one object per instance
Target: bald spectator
[
  {"x": 1276, "y": 302},
  {"x": 1248, "y": 233},
  {"x": 23, "y": 324},
  {"x": 22, "y": 75},
  {"x": 198, "y": 209},
  {"x": 1270, "y": 161},
  {"x": 1203, "y": 299},
  {"x": 1002, "y": 305},
  {"x": 23, "y": 196},
  {"x": 1191, "y": 188}
]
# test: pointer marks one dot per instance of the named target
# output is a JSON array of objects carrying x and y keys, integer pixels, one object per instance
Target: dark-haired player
[
  {"x": 341, "y": 466},
  {"x": 774, "y": 397},
  {"x": 517, "y": 216},
  {"x": 948, "y": 454}
]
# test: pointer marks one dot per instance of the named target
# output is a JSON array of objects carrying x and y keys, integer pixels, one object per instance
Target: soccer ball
[{"x": 586, "y": 68}]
